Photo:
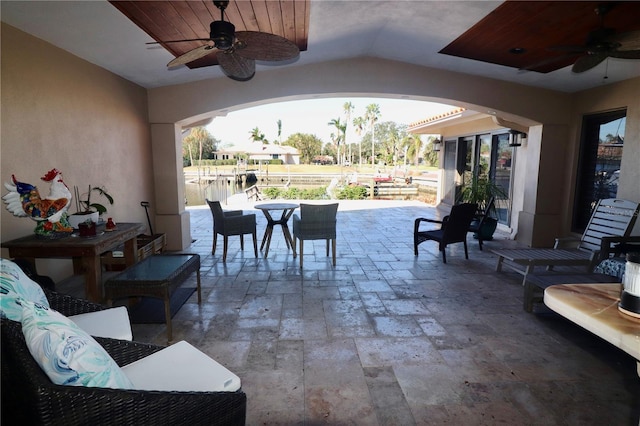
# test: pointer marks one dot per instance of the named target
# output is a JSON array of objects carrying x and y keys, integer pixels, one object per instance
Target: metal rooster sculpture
[{"x": 50, "y": 212}]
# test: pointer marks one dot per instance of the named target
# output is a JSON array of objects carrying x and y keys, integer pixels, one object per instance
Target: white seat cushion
[
  {"x": 112, "y": 323},
  {"x": 181, "y": 367}
]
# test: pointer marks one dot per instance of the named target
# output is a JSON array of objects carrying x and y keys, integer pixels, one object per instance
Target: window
[
  {"x": 483, "y": 155},
  {"x": 599, "y": 163}
]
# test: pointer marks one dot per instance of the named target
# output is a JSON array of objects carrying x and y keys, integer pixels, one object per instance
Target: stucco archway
[{"x": 173, "y": 108}]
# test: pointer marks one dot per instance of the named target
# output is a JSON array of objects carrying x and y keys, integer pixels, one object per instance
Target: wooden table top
[{"x": 73, "y": 245}]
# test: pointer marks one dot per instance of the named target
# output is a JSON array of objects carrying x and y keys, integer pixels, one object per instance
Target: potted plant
[
  {"x": 480, "y": 190},
  {"x": 86, "y": 210}
]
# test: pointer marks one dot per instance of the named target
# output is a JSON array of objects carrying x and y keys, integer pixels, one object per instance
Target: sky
[{"x": 312, "y": 117}]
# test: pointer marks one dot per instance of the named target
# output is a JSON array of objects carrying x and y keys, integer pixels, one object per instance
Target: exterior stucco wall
[{"x": 61, "y": 111}]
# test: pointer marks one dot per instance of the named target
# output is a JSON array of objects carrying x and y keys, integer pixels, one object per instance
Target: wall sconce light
[
  {"x": 436, "y": 145},
  {"x": 516, "y": 138}
]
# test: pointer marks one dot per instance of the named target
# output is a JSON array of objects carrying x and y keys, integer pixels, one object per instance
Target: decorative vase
[
  {"x": 488, "y": 228},
  {"x": 80, "y": 217}
]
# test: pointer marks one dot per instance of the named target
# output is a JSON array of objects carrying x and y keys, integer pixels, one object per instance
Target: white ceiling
[{"x": 401, "y": 30}]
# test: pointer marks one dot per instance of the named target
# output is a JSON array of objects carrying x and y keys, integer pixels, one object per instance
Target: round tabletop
[{"x": 276, "y": 206}]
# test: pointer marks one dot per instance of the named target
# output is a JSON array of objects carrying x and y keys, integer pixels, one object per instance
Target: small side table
[
  {"x": 287, "y": 211},
  {"x": 594, "y": 307},
  {"x": 156, "y": 276}
]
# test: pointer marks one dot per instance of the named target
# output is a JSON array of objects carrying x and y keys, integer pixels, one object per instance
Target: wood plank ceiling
[
  {"x": 179, "y": 20},
  {"x": 524, "y": 34}
]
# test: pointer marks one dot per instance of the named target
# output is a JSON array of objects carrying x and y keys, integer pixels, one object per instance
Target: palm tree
[
  {"x": 371, "y": 116},
  {"x": 348, "y": 109},
  {"x": 359, "y": 123},
  {"x": 197, "y": 135},
  {"x": 413, "y": 143},
  {"x": 279, "y": 122},
  {"x": 257, "y": 135},
  {"x": 337, "y": 137}
]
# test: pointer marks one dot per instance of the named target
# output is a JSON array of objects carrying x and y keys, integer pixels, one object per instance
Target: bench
[
  {"x": 156, "y": 276},
  {"x": 253, "y": 193}
]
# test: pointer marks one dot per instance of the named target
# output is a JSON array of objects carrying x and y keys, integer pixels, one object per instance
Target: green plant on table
[{"x": 83, "y": 201}]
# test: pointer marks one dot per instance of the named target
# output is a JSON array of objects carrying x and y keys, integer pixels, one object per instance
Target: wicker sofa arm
[
  {"x": 29, "y": 396},
  {"x": 69, "y": 305}
]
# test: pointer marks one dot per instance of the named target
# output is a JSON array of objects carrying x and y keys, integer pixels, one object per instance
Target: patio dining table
[{"x": 287, "y": 210}]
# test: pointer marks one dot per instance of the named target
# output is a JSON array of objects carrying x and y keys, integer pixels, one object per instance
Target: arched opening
[{"x": 193, "y": 103}]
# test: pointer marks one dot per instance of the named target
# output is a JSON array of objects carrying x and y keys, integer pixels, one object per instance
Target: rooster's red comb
[{"x": 51, "y": 174}]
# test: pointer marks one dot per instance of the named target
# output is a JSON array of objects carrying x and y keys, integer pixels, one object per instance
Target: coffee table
[
  {"x": 287, "y": 210},
  {"x": 156, "y": 276},
  {"x": 594, "y": 307}
]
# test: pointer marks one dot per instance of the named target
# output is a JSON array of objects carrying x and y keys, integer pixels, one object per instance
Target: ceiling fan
[
  {"x": 603, "y": 43},
  {"x": 237, "y": 52}
]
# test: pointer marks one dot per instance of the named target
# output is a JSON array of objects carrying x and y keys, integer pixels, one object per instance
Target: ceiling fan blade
[
  {"x": 178, "y": 41},
  {"x": 191, "y": 55},
  {"x": 265, "y": 47},
  {"x": 235, "y": 66},
  {"x": 629, "y": 40},
  {"x": 540, "y": 65},
  {"x": 625, "y": 54},
  {"x": 587, "y": 62}
]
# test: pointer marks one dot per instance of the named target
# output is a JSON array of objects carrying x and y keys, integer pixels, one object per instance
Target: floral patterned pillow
[
  {"x": 14, "y": 284},
  {"x": 67, "y": 354}
]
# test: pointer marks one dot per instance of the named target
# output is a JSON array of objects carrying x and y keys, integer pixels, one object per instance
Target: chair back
[
  {"x": 456, "y": 227},
  {"x": 317, "y": 221},
  {"x": 611, "y": 218},
  {"x": 218, "y": 215}
]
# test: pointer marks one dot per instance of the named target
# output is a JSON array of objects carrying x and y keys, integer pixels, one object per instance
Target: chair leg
[
  {"x": 480, "y": 241},
  {"x": 415, "y": 245},
  {"x": 224, "y": 250},
  {"x": 327, "y": 248},
  {"x": 255, "y": 243},
  {"x": 333, "y": 244},
  {"x": 241, "y": 242},
  {"x": 444, "y": 254},
  {"x": 215, "y": 241},
  {"x": 301, "y": 252},
  {"x": 294, "y": 245},
  {"x": 466, "y": 253}
]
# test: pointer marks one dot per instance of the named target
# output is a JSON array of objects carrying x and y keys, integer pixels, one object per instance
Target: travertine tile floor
[{"x": 386, "y": 338}]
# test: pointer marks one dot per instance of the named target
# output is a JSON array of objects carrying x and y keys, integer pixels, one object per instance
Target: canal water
[{"x": 197, "y": 193}]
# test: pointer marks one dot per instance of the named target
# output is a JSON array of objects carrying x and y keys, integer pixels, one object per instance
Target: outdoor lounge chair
[
  {"x": 611, "y": 218},
  {"x": 454, "y": 229},
  {"x": 30, "y": 397},
  {"x": 609, "y": 270}
]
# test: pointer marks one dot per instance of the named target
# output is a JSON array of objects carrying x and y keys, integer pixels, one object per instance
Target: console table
[
  {"x": 85, "y": 252},
  {"x": 594, "y": 307}
]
